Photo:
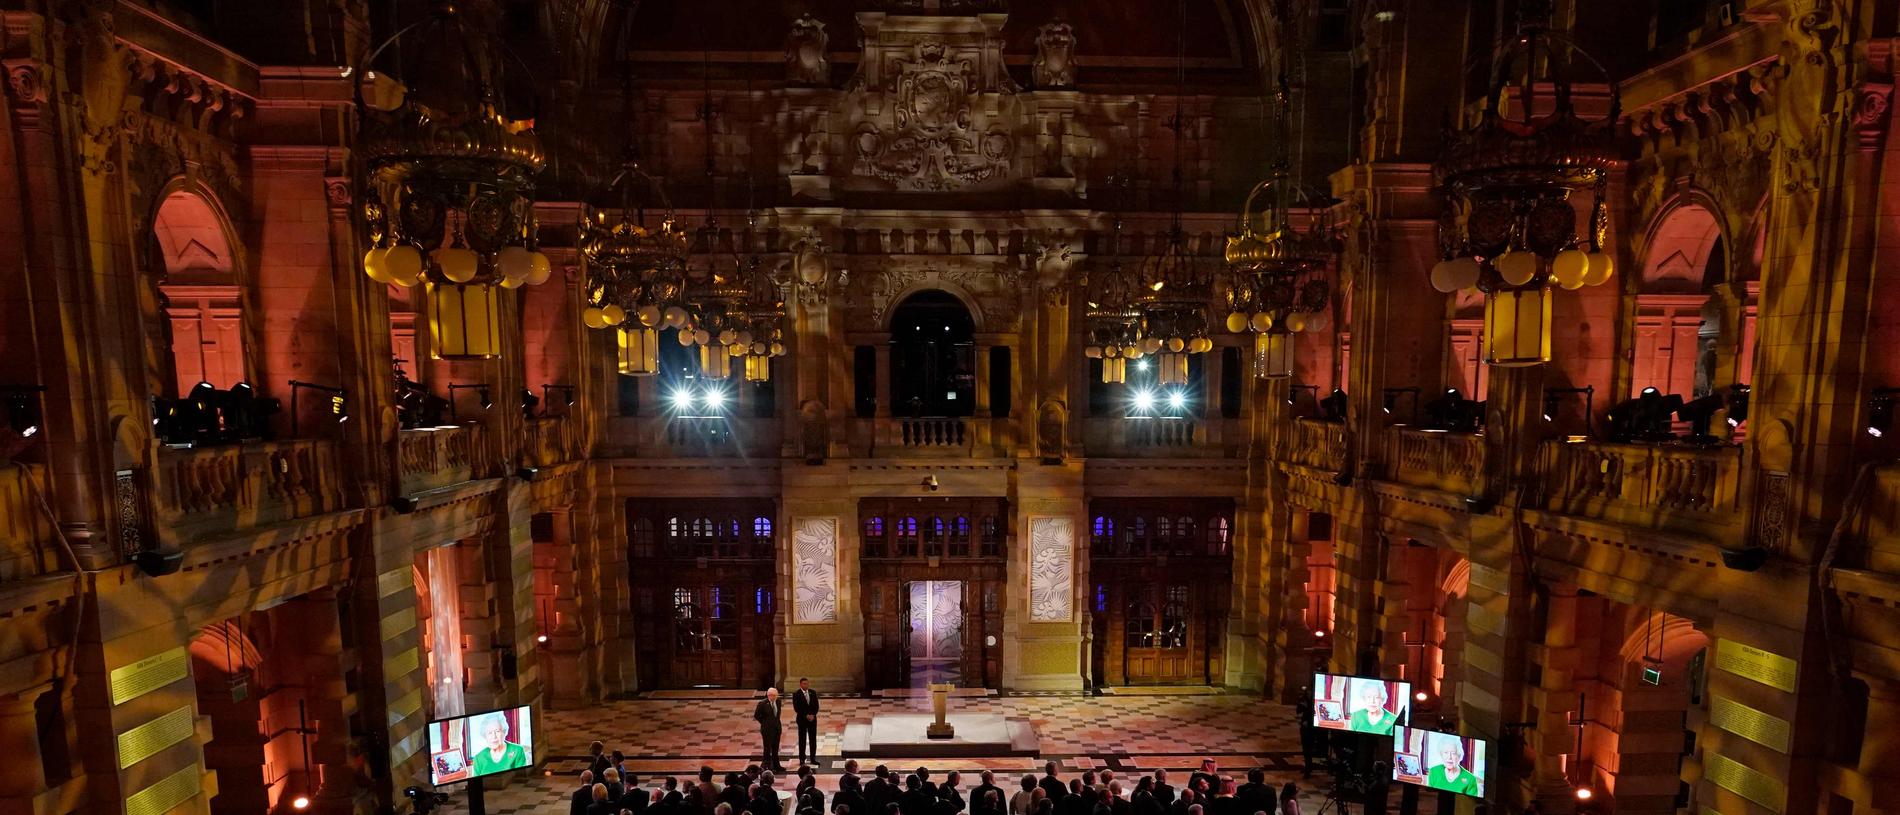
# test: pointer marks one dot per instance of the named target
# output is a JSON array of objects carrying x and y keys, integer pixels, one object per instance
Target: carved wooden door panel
[{"x": 1159, "y": 637}]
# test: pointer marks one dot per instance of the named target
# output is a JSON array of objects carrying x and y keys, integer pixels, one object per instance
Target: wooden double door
[
  {"x": 927, "y": 625},
  {"x": 1151, "y": 631},
  {"x": 704, "y": 599}
]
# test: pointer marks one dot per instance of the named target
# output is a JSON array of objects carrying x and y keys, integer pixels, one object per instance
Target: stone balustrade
[
  {"x": 26, "y": 534},
  {"x": 1452, "y": 462},
  {"x": 547, "y": 441},
  {"x": 210, "y": 490},
  {"x": 1164, "y": 432},
  {"x": 436, "y": 457},
  {"x": 1692, "y": 490},
  {"x": 1317, "y": 444}
]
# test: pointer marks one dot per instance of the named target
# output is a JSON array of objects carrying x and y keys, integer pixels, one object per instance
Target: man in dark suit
[
  {"x": 1209, "y": 774},
  {"x": 805, "y": 710},
  {"x": 583, "y": 796},
  {"x": 980, "y": 802},
  {"x": 1256, "y": 795},
  {"x": 1052, "y": 787},
  {"x": 767, "y": 714},
  {"x": 1163, "y": 792}
]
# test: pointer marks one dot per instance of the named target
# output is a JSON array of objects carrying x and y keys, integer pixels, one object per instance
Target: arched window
[
  {"x": 762, "y": 541},
  {"x": 1102, "y": 534},
  {"x": 935, "y": 535},
  {"x": 874, "y": 537},
  {"x": 1137, "y": 538},
  {"x": 907, "y": 542},
  {"x": 1690, "y": 328},
  {"x": 1140, "y": 632},
  {"x": 1184, "y": 539},
  {"x": 933, "y": 370},
  {"x": 960, "y": 537},
  {"x": 1174, "y": 619},
  {"x": 762, "y": 527},
  {"x": 992, "y": 532},
  {"x": 1164, "y": 534}
]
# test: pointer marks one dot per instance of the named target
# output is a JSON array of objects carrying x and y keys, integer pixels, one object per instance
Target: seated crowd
[{"x": 606, "y": 789}]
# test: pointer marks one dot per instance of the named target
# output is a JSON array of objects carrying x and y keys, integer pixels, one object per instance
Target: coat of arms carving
[{"x": 933, "y": 142}]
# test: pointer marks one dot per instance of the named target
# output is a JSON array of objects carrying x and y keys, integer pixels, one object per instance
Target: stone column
[
  {"x": 886, "y": 392},
  {"x": 1046, "y": 654},
  {"x": 22, "y": 775},
  {"x": 982, "y": 382},
  {"x": 1551, "y": 737},
  {"x": 821, "y": 611}
]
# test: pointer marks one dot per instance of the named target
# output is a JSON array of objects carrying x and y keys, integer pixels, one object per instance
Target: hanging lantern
[
  {"x": 1273, "y": 355},
  {"x": 1517, "y": 326},
  {"x": 1114, "y": 370},
  {"x": 758, "y": 368},
  {"x": 1171, "y": 368},
  {"x": 450, "y": 194},
  {"x": 714, "y": 361},
  {"x": 639, "y": 351},
  {"x": 1511, "y": 181},
  {"x": 464, "y": 320}
]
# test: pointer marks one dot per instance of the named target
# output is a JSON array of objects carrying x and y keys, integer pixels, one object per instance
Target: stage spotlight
[
  {"x": 1177, "y": 400},
  {"x": 715, "y": 398},
  {"x": 300, "y": 803},
  {"x": 23, "y": 412},
  {"x": 1880, "y": 411},
  {"x": 1453, "y": 413},
  {"x": 1333, "y": 407},
  {"x": 483, "y": 398},
  {"x": 529, "y": 402},
  {"x": 682, "y": 399},
  {"x": 1644, "y": 418},
  {"x": 1144, "y": 400},
  {"x": 1421, "y": 696},
  {"x": 1585, "y": 793},
  {"x": 1141, "y": 364}
]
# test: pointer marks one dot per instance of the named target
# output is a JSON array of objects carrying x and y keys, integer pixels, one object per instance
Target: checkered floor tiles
[{"x": 1129, "y": 734}]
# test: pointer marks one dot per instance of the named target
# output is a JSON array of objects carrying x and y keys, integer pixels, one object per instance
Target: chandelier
[
  {"x": 737, "y": 310},
  {"x": 1277, "y": 275},
  {"x": 1172, "y": 298},
  {"x": 1113, "y": 323},
  {"x": 634, "y": 271},
  {"x": 449, "y": 201},
  {"x": 1513, "y": 183}
]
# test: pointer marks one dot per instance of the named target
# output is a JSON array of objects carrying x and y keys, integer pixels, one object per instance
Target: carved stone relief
[
  {"x": 1051, "y": 569},
  {"x": 806, "y": 60},
  {"x": 1055, "y": 57},
  {"x": 815, "y": 570},
  {"x": 933, "y": 137}
]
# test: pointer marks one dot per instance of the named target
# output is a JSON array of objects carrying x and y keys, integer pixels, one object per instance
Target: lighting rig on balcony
[
  {"x": 1880, "y": 406},
  {"x": 483, "y": 396},
  {"x": 22, "y": 405},
  {"x": 416, "y": 407},
  {"x": 1333, "y": 407},
  {"x": 449, "y": 201},
  {"x": 206, "y": 415},
  {"x": 337, "y": 405},
  {"x": 1279, "y": 276},
  {"x": 1646, "y": 418},
  {"x": 566, "y": 392},
  {"x": 1293, "y": 394},
  {"x": 1701, "y": 412},
  {"x": 1453, "y": 413},
  {"x": 1554, "y": 400},
  {"x": 1389, "y": 401},
  {"x": 1512, "y": 181}
]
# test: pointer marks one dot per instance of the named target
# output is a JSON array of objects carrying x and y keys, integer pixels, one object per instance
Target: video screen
[
  {"x": 1359, "y": 704},
  {"x": 1440, "y": 761},
  {"x": 479, "y": 744}
]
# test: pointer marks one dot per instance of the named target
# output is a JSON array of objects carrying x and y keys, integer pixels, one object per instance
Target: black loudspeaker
[
  {"x": 1745, "y": 560},
  {"x": 158, "y": 563}
]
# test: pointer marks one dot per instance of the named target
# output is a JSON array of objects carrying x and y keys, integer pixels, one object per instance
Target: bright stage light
[
  {"x": 1144, "y": 400},
  {"x": 715, "y": 399},
  {"x": 1177, "y": 400}
]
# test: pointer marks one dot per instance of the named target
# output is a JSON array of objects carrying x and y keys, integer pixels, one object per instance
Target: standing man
[
  {"x": 805, "y": 709},
  {"x": 767, "y": 714}
]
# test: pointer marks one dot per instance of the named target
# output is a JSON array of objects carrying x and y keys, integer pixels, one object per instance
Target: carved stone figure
[
  {"x": 1055, "y": 57},
  {"x": 1049, "y": 428},
  {"x": 806, "y": 60}
]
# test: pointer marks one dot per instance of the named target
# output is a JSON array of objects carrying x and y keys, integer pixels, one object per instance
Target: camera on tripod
[{"x": 425, "y": 800}]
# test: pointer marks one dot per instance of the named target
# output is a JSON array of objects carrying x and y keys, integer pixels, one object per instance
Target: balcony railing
[
  {"x": 930, "y": 437},
  {"x": 26, "y": 534},
  {"x": 547, "y": 441},
  {"x": 1453, "y": 462},
  {"x": 435, "y": 457},
  {"x": 210, "y": 490},
  {"x": 1680, "y": 489},
  {"x": 1162, "y": 436},
  {"x": 1319, "y": 445}
]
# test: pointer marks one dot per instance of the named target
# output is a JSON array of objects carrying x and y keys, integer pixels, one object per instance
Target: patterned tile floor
[{"x": 1131, "y": 734}]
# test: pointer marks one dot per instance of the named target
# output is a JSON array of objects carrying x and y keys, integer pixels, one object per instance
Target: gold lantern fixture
[
  {"x": 1513, "y": 182},
  {"x": 1172, "y": 297},
  {"x": 1278, "y": 281},
  {"x": 636, "y": 272},
  {"x": 449, "y": 198},
  {"x": 738, "y": 309}
]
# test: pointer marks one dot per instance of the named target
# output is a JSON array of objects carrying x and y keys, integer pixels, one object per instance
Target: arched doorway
[
  {"x": 1680, "y": 325},
  {"x": 933, "y": 357}
]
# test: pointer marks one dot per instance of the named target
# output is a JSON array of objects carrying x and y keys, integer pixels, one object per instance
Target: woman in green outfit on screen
[
  {"x": 497, "y": 753},
  {"x": 1371, "y": 715},
  {"x": 1449, "y": 774}
]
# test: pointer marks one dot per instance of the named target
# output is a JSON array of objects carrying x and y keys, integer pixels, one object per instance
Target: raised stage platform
[{"x": 901, "y": 735}]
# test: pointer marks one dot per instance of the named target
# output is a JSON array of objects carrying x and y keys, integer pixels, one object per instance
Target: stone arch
[
  {"x": 1679, "y": 244},
  {"x": 933, "y": 283},
  {"x": 195, "y": 266}
]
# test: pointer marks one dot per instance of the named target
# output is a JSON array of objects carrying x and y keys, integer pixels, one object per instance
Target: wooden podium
[{"x": 940, "y": 704}]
